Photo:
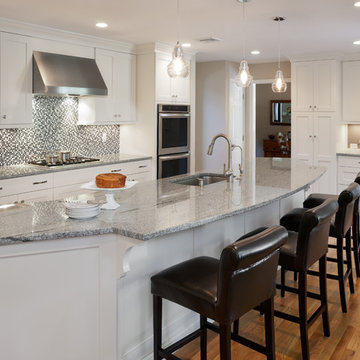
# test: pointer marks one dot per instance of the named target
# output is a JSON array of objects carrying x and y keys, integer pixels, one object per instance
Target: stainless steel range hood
[{"x": 55, "y": 74}]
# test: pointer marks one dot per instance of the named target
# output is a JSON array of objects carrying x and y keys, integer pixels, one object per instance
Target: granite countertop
[
  {"x": 349, "y": 152},
  {"x": 8, "y": 172},
  {"x": 154, "y": 208}
]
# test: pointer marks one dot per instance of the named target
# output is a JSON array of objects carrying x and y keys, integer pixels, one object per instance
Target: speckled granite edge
[
  {"x": 345, "y": 153},
  {"x": 15, "y": 171}
]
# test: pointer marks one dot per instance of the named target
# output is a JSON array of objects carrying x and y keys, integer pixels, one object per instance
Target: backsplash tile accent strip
[{"x": 55, "y": 128}]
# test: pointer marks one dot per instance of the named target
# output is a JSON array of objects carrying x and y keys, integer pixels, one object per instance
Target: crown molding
[
  {"x": 159, "y": 47},
  {"x": 317, "y": 57},
  {"x": 44, "y": 32}
]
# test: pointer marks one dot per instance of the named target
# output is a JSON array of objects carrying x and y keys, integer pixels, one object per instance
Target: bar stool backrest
[
  {"x": 247, "y": 273},
  {"x": 344, "y": 216},
  {"x": 313, "y": 235}
]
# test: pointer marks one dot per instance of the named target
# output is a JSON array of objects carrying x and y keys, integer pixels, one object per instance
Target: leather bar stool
[
  {"x": 339, "y": 228},
  {"x": 302, "y": 250},
  {"x": 316, "y": 199},
  {"x": 222, "y": 290}
]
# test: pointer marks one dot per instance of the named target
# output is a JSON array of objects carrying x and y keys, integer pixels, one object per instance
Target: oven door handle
[
  {"x": 174, "y": 115},
  {"x": 174, "y": 157}
]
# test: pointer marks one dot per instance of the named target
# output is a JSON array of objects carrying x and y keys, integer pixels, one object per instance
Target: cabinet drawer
[
  {"x": 129, "y": 167},
  {"x": 25, "y": 184},
  {"x": 347, "y": 175},
  {"x": 350, "y": 161},
  {"x": 71, "y": 177}
]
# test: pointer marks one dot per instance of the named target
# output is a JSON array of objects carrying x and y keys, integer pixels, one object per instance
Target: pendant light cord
[
  {"x": 178, "y": 20},
  {"x": 278, "y": 42},
  {"x": 243, "y": 28}
]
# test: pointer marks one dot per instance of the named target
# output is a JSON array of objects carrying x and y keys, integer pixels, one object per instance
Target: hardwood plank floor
[{"x": 343, "y": 344}]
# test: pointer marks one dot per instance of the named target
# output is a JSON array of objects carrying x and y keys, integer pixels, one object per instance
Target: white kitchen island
[{"x": 80, "y": 290}]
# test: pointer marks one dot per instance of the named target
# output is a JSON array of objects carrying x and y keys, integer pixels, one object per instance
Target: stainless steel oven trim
[
  {"x": 172, "y": 157},
  {"x": 172, "y": 150}
]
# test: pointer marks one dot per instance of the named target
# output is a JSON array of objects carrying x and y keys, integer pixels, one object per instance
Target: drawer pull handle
[
  {"x": 142, "y": 166},
  {"x": 39, "y": 182},
  {"x": 116, "y": 170},
  {"x": 1, "y": 188}
]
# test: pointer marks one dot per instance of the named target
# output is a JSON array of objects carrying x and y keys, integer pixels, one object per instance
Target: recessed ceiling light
[
  {"x": 357, "y": 42},
  {"x": 255, "y": 52},
  {"x": 186, "y": 45},
  {"x": 357, "y": 4},
  {"x": 101, "y": 25}
]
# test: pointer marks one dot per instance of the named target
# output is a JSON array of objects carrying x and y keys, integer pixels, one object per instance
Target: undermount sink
[{"x": 200, "y": 179}]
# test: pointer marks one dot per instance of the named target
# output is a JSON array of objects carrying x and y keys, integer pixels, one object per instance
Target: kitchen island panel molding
[{"x": 50, "y": 286}]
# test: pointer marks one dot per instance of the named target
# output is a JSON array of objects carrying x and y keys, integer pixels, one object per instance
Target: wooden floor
[{"x": 343, "y": 344}]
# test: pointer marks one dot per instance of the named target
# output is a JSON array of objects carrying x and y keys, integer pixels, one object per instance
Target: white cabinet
[
  {"x": 348, "y": 168},
  {"x": 27, "y": 188},
  {"x": 351, "y": 91},
  {"x": 314, "y": 85},
  {"x": 15, "y": 81},
  {"x": 119, "y": 73},
  {"x": 313, "y": 142},
  {"x": 170, "y": 90}
]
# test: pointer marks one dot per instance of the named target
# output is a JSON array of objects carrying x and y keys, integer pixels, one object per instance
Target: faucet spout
[{"x": 229, "y": 171}]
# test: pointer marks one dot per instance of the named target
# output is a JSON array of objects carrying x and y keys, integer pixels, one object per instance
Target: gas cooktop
[{"x": 71, "y": 161}]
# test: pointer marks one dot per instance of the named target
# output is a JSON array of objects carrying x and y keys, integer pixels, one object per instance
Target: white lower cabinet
[
  {"x": 313, "y": 142},
  {"x": 68, "y": 183},
  {"x": 348, "y": 168}
]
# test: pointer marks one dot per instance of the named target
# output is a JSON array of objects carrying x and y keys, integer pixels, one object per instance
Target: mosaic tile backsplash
[{"x": 55, "y": 128}]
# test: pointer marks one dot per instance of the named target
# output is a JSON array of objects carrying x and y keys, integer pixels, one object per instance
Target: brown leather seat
[
  {"x": 222, "y": 290},
  {"x": 340, "y": 227}
]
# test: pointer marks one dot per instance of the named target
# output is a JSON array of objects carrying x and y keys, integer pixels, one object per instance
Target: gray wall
[
  {"x": 210, "y": 113},
  {"x": 264, "y": 95},
  {"x": 55, "y": 129}
]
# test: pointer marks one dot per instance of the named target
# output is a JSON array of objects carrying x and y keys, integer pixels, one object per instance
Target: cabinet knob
[
  {"x": 115, "y": 115},
  {"x": 314, "y": 107},
  {"x": 310, "y": 136},
  {"x": 310, "y": 107},
  {"x": 119, "y": 115},
  {"x": 314, "y": 136},
  {"x": 4, "y": 117}
]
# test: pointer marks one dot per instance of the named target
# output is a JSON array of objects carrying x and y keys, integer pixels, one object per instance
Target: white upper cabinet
[
  {"x": 351, "y": 91},
  {"x": 119, "y": 106},
  {"x": 15, "y": 81},
  {"x": 314, "y": 85},
  {"x": 170, "y": 90}
]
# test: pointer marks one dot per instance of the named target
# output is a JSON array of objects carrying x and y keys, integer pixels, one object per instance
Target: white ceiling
[{"x": 311, "y": 26}]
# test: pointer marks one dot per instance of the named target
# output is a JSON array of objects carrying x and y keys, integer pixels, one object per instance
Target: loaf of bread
[{"x": 110, "y": 181}]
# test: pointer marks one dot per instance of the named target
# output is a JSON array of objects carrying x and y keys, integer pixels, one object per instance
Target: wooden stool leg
[
  {"x": 225, "y": 341},
  {"x": 349, "y": 261},
  {"x": 236, "y": 327},
  {"x": 282, "y": 291},
  {"x": 157, "y": 313},
  {"x": 269, "y": 329},
  {"x": 323, "y": 295},
  {"x": 340, "y": 269},
  {"x": 295, "y": 275},
  {"x": 303, "y": 315},
  {"x": 355, "y": 243},
  {"x": 203, "y": 338}
]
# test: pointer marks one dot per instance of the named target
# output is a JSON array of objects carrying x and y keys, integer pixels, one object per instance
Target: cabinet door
[
  {"x": 324, "y": 85},
  {"x": 351, "y": 91},
  {"x": 302, "y": 137},
  {"x": 324, "y": 151},
  {"x": 163, "y": 80},
  {"x": 11, "y": 199},
  {"x": 302, "y": 86},
  {"x": 16, "y": 81},
  {"x": 181, "y": 90},
  {"x": 124, "y": 88}
]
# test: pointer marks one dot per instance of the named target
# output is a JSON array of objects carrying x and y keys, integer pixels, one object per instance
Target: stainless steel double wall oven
[{"x": 173, "y": 140}]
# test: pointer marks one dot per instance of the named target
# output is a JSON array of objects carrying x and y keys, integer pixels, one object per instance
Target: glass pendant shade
[
  {"x": 178, "y": 66},
  {"x": 243, "y": 77},
  {"x": 279, "y": 85}
]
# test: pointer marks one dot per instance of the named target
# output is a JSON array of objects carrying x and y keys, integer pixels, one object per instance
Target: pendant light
[
  {"x": 178, "y": 66},
  {"x": 243, "y": 77},
  {"x": 279, "y": 85}
]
